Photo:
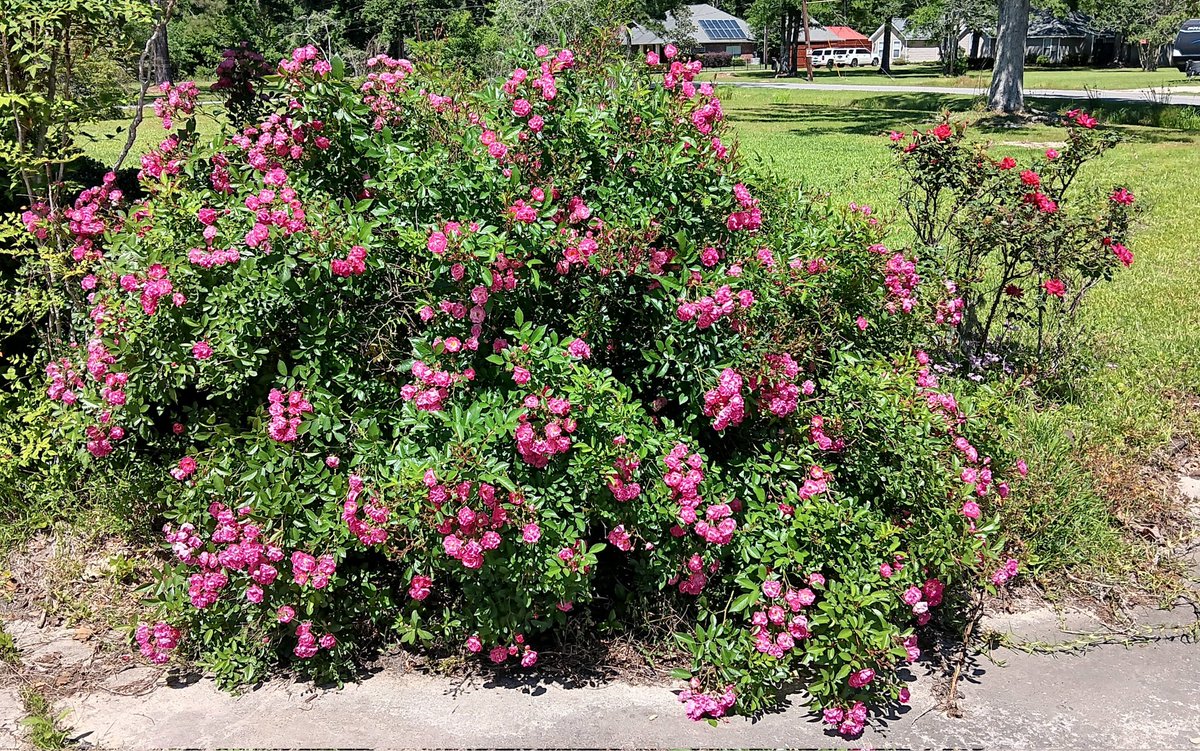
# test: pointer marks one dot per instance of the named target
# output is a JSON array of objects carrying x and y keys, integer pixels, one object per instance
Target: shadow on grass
[
  {"x": 874, "y": 114},
  {"x": 869, "y": 116}
]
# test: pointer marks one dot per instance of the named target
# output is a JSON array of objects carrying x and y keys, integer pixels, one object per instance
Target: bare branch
[{"x": 144, "y": 80}]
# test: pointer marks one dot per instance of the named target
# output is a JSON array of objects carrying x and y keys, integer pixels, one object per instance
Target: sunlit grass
[
  {"x": 1145, "y": 323},
  {"x": 1076, "y": 79},
  {"x": 104, "y": 140}
]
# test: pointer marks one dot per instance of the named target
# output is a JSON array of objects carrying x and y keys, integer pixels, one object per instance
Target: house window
[
  {"x": 734, "y": 49},
  {"x": 897, "y": 48}
]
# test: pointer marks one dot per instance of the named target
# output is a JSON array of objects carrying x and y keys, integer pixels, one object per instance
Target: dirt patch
[
  {"x": 67, "y": 602},
  {"x": 71, "y": 579}
]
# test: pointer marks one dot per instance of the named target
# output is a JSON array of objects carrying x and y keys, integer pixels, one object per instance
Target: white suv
[{"x": 852, "y": 56}]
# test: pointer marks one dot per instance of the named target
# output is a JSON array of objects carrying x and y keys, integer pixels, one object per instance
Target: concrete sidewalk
[
  {"x": 1110, "y": 697},
  {"x": 1122, "y": 95}
]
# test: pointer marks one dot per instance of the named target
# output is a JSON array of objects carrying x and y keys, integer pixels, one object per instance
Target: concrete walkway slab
[
  {"x": 1112, "y": 697},
  {"x": 12, "y": 711}
]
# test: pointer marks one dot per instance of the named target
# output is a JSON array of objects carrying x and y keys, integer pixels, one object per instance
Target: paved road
[{"x": 1114, "y": 95}]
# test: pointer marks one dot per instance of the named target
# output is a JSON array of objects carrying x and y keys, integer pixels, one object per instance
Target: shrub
[
  {"x": 457, "y": 371},
  {"x": 1016, "y": 243},
  {"x": 239, "y": 81},
  {"x": 715, "y": 59}
]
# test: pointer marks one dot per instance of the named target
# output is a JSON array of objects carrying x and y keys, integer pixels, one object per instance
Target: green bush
[{"x": 456, "y": 371}]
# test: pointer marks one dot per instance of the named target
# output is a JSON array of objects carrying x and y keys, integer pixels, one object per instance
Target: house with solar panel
[
  {"x": 712, "y": 29},
  {"x": 718, "y": 31}
]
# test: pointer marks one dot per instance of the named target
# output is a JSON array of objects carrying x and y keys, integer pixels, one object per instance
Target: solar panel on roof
[{"x": 722, "y": 29}]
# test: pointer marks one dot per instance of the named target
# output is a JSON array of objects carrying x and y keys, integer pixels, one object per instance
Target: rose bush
[
  {"x": 1021, "y": 246},
  {"x": 459, "y": 370}
]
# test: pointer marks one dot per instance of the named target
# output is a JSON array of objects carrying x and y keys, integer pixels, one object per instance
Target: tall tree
[
  {"x": 948, "y": 20},
  {"x": 1007, "y": 93},
  {"x": 869, "y": 15},
  {"x": 1153, "y": 24},
  {"x": 160, "y": 48},
  {"x": 788, "y": 17}
]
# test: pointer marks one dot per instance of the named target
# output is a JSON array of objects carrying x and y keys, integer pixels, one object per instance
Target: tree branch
[{"x": 144, "y": 81}]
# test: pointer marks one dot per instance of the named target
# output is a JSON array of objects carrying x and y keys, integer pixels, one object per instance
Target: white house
[{"x": 907, "y": 43}]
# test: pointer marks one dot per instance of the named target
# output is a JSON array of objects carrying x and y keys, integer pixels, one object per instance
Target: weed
[
  {"x": 9, "y": 654},
  {"x": 46, "y": 730}
]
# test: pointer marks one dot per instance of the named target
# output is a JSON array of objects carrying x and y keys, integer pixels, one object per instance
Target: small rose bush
[
  {"x": 1019, "y": 244},
  {"x": 456, "y": 371}
]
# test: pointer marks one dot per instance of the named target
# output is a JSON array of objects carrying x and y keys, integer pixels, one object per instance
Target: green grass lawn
[
  {"x": 104, "y": 140},
  {"x": 1078, "y": 79},
  {"x": 1087, "y": 452}
]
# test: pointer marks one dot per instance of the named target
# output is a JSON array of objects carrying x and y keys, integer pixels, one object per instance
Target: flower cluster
[
  {"x": 369, "y": 531},
  {"x": 308, "y": 569},
  {"x": 281, "y": 210},
  {"x": 153, "y": 288},
  {"x": 286, "y": 411},
  {"x": 901, "y": 280},
  {"x": 240, "y": 72},
  {"x": 156, "y": 642},
  {"x": 65, "y": 382},
  {"x": 699, "y": 705},
  {"x": 922, "y": 598},
  {"x": 749, "y": 218},
  {"x": 1005, "y": 572},
  {"x": 710, "y": 309},
  {"x": 622, "y": 486},
  {"x": 352, "y": 265},
  {"x": 725, "y": 403},
  {"x": 385, "y": 81},
  {"x": 176, "y": 100},
  {"x": 208, "y": 259},
  {"x": 773, "y": 630},
  {"x": 164, "y": 160},
  {"x": 307, "y": 643},
  {"x": 466, "y": 532},
  {"x": 88, "y": 219},
  {"x": 237, "y": 547},
  {"x": 780, "y": 394},
  {"x": 436, "y": 384},
  {"x": 817, "y": 434},
  {"x": 846, "y": 721},
  {"x": 535, "y": 446}
]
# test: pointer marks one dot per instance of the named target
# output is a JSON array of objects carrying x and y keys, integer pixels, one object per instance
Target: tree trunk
[
  {"x": 976, "y": 38},
  {"x": 1148, "y": 56},
  {"x": 785, "y": 62},
  {"x": 1007, "y": 93},
  {"x": 793, "y": 34},
  {"x": 807, "y": 39},
  {"x": 885, "y": 55},
  {"x": 160, "y": 53},
  {"x": 950, "y": 59}
]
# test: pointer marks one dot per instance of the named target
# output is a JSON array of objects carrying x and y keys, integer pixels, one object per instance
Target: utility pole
[{"x": 807, "y": 39}]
